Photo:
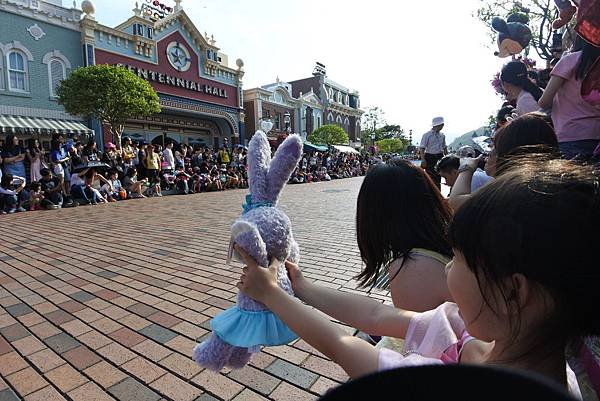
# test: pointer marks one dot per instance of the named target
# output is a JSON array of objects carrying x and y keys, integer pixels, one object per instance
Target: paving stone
[
  {"x": 116, "y": 353},
  {"x": 105, "y": 374},
  {"x": 62, "y": 342},
  {"x": 59, "y": 317},
  {"x": 152, "y": 350},
  {"x": 8, "y": 394},
  {"x": 217, "y": 384},
  {"x": 107, "y": 274},
  {"x": 183, "y": 366},
  {"x": 19, "y": 309},
  {"x": 249, "y": 395},
  {"x": 287, "y": 392},
  {"x": 127, "y": 337},
  {"x": 46, "y": 394},
  {"x": 158, "y": 333},
  {"x": 14, "y": 332},
  {"x": 292, "y": 373},
  {"x": 28, "y": 345},
  {"x": 26, "y": 381},
  {"x": 255, "y": 379},
  {"x": 89, "y": 392},
  {"x": 81, "y": 357},
  {"x": 65, "y": 378},
  {"x": 131, "y": 390},
  {"x": 10, "y": 363},
  {"x": 44, "y": 330},
  {"x": 46, "y": 360},
  {"x": 5, "y": 347},
  {"x": 175, "y": 388},
  {"x": 143, "y": 369},
  {"x": 72, "y": 306},
  {"x": 142, "y": 309}
]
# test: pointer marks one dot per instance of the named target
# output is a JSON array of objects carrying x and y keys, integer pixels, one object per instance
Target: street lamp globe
[{"x": 287, "y": 120}]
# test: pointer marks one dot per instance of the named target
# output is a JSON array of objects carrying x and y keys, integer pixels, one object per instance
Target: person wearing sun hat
[{"x": 433, "y": 148}]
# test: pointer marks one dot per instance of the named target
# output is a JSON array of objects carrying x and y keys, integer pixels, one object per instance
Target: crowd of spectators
[{"x": 74, "y": 173}]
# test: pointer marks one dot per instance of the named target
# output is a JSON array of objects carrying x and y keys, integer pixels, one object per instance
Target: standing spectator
[
  {"x": 433, "y": 148},
  {"x": 576, "y": 122},
  {"x": 128, "y": 154},
  {"x": 35, "y": 155},
  {"x": 224, "y": 157},
  {"x": 12, "y": 196},
  {"x": 51, "y": 189},
  {"x": 519, "y": 88},
  {"x": 152, "y": 164},
  {"x": 169, "y": 158},
  {"x": 141, "y": 167},
  {"x": 13, "y": 156},
  {"x": 90, "y": 152},
  {"x": 136, "y": 154},
  {"x": 58, "y": 158}
]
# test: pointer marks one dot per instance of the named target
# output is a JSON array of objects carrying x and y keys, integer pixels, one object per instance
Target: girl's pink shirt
[
  {"x": 436, "y": 337},
  {"x": 574, "y": 119}
]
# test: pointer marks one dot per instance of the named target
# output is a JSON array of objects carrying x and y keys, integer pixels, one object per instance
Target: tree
[
  {"x": 329, "y": 135},
  {"x": 391, "y": 145},
  {"x": 541, "y": 13},
  {"x": 389, "y": 131},
  {"x": 373, "y": 119},
  {"x": 109, "y": 94}
]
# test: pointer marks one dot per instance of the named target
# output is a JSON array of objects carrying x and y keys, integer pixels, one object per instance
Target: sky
[{"x": 415, "y": 60}]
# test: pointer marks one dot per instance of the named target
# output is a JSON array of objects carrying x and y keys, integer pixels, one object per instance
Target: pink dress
[{"x": 437, "y": 337}]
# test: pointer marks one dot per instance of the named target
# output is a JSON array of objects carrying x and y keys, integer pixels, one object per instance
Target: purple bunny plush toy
[{"x": 264, "y": 232}]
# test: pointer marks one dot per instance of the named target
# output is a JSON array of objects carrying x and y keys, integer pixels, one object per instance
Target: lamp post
[
  {"x": 287, "y": 120},
  {"x": 373, "y": 141}
]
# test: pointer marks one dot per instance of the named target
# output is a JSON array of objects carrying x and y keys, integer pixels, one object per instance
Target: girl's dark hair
[
  {"x": 54, "y": 145},
  {"x": 589, "y": 55},
  {"x": 35, "y": 186},
  {"x": 515, "y": 72},
  {"x": 541, "y": 221},
  {"x": 530, "y": 133},
  {"x": 131, "y": 172},
  {"x": 399, "y": 208},
  {"x": 8, "y": 143},
  {"x": 31, "y": 144}
]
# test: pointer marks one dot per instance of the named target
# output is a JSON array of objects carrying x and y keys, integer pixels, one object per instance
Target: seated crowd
[{"x": 73, "y": 173}]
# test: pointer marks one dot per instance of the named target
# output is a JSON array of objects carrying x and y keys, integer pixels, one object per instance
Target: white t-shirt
[
  {"x": 168, "y": 156},
  {"x": 77, "y": 180},
  {"x": 480, "y": 178}
]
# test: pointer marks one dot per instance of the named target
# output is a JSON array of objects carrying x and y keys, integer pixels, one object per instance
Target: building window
[
  {"x": 278, "y": 121},
  {"x": 18, "y": 78},
  {"x": 266, "y": 115},
  {"x": 57, "y": 71},
  {"x": 330, "y": 118},
  {"x": 318, "y": 122},
  {"x": 1, "y": 72},
  {"x": 347, "y": 100},
  {"x": 339, "y": 97}
]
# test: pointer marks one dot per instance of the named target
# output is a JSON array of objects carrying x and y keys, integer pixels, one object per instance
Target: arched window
[
  {"x": 339, "y": 97},
  {"x": 347, "y": 123},
  {"x": 18, "y": 75},
  {"x": 338, "y": 121},
  {"x": 57, "y": 71},
  {"x": 330, "y": 118}
]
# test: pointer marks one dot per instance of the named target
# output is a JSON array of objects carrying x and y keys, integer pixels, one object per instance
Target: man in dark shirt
[{"x": 52, "y": 190}]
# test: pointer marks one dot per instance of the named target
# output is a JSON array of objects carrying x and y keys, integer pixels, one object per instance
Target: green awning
[
  {"x": 41, "y": 125},
  {"x": 314, "y": 148}
]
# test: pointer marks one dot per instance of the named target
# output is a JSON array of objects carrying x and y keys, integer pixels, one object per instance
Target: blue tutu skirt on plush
[{"x": 250, "y": 329}]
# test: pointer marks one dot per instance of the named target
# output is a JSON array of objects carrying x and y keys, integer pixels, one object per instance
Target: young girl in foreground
[{"x": 524, "y": 278}]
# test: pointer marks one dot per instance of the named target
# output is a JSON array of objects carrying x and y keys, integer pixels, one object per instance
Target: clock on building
[{"x": 179, "y": 56}]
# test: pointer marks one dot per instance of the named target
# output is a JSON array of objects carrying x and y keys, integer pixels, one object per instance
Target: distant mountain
[{"x": 467, "y": 139}]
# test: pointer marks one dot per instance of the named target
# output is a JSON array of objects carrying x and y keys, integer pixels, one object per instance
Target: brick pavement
[{"x": 109, "y": 304}]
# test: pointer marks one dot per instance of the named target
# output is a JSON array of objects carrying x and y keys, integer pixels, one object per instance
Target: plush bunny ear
[
  {"x": 246, "y": 235},
  {"x": 259, "y": 158},
  {"x": 285, "y": 161}
]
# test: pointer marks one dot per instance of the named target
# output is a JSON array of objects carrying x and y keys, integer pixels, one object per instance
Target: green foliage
[
  {"x": 109, "y": 94},
  {"x": 329, "y": 135},
  {"x": 391, "y": 145},
  {"x": 541, "y": 13}
]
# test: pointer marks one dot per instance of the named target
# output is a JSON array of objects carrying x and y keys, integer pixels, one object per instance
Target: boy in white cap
[{"x": 433, "y": 148}]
